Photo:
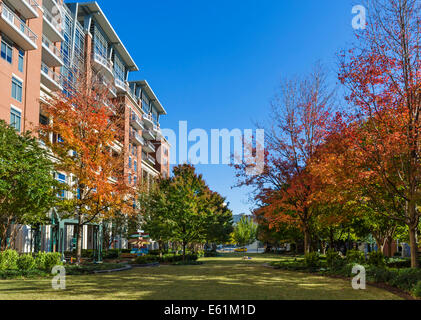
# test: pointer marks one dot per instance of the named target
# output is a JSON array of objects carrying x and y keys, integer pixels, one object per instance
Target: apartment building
[{"x": 44, "y": 44}]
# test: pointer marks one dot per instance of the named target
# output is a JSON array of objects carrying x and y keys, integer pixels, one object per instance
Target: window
[
  {"x": 134, "y": 150},
  {"x": 119, "y": 70},
  {"x": 6, "y": 51},
  {"x": 21, "y": 59},
  {"x": 15, "y": 119},
  {"x": 135, "y": 180},
  {"x": 62, "y": 179},
  {"x": 130, "y": 162},
  {"x": 135, "y": 166},
  {"x": 16, "y": 89},
  {"x": 130, "y": 178},
  {"x": 100, "y": 44}
]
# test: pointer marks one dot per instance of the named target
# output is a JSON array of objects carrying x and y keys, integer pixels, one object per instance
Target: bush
[
  {"x": 211, "y": 254},
  {"x": 26, "y": 262},
  {"x": 146, "y": 259},
  {"x": 376, "y": 258},
  {"x": 380, "y": 274},
  {"x": 406, "y": 279},
  {"x": 46, "y": 261},
  {"x": 355, "y": 256},
  {"x": 334, "y": 260},
  {"x": 110, "y": 254},
  {"x": 8, "y": 260},
  {"x": 399, "y": 263},
  {"x": 417, "y": 290},
  {"x": 312, "y": 260}
]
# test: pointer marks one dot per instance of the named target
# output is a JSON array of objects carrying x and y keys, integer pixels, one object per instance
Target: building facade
[{"x": 44, "y": 45}]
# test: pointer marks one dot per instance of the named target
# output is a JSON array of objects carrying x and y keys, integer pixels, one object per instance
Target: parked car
[{"x": 241, "y": 249}]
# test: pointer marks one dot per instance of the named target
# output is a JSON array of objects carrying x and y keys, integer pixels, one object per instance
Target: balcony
[
  {"x": 16, "y": 30},
  {"x": 50, "y": 53},
  {"x": 150, "y": 159},
  {"x": 52, "y": 26},
  {"x": 136, "y": 122},
  {"x": 136, "y": 138},
  {"x": 149, "y": 147},
  {"x": 102, "y": 65},
  {"x": 51, "y": 79},
  {"x": 148, "y": 134},
  {"x": 122, "y": 86},
  {"x": 147, "y": 120},
  {"x": 27, "y": 8}
]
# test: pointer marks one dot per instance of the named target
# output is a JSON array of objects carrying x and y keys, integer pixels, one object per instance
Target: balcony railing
[
  {"x": 49, "y": 17},
  {"x": 51, "y": 46},
  {"x": 102, "y": 60},
  {"x": 52, "y": 76},
  {"x": 137, "y": 138},
  {"x": 122, "y": 85},
  {"x": 150, "y": 159},
  {"x": 136, "y": 122},
  {"x": 13, "y": 19},
  {"x": 151, "y": 146}
]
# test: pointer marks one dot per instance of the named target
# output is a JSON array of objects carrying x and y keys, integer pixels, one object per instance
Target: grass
[{"x": 222, "y": 278}]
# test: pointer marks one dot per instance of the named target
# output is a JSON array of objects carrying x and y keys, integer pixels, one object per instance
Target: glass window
[
  {"x": 61, "y": 178},
  {"x": 16, "y": 89},
  {"x": 135, "y": 166},
  {"x": 119, "y": 70},
  {"x": 21, "y": 60},
  {"x": 100, "y": 44},
  {"x": 135, "y": 180},
  {"x": 15, "y": 119},
  {"x": 130, "y": 162},
  {"x": 6, "y": 51},
  {"x": 130, "y": 178}
]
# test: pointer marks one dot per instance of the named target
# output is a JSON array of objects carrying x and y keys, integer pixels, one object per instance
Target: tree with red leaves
[
  {"x": 384, "y": 81},
  {"x": 83, "y": 129},
  {"x": 300, "y": 119}
]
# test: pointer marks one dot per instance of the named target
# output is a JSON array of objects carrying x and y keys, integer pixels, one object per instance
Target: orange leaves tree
[
  {"x": 83, "y": 132},
  {"x": 384, "y": 81},
  {"x": 300, "y": 118}
]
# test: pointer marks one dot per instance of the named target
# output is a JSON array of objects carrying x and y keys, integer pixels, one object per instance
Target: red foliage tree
[
  {"x": 384, "y": 81},
  {"x": 84, "y": 126}
]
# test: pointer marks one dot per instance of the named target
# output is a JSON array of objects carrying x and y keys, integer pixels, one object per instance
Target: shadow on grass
[{"x": 222, "y": 278}]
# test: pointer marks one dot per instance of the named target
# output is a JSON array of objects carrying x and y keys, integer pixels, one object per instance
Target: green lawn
[{"x": 222, "y": 278}]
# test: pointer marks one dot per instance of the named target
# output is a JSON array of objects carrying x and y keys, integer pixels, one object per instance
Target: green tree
[
  {"x": 220, "y": 224},
  {"x": 245, "y": 232},
  {"x": 28, "y": 189},
  {"x": 154, "y": 211},
  {"x": 188, "y": 206}
]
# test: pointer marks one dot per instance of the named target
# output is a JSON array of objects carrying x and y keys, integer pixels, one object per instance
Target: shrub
[
  {"x": 8, "y": 260},
  {"x": 417, "y": 290},
  {"x": 110, "y": 254},
  {"x": 399, "y": 263},
  {"x": 25, "y": 262},
  {"x": 334, "y": 260},
  {"x": 146, "y": 259},
  {"x": 376, "y": 258},
  {"x": 406, "y": 279},
  {"x": 355, "y": 256},
  {"x": 46, "y": 261},
  {"x": 380, "y": 274},
  {"x": 209, "y": 254},
  {"x": 312, "y": 260}
]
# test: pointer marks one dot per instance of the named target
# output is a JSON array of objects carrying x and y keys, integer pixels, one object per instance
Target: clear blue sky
[{"x": 217, "y": 64}]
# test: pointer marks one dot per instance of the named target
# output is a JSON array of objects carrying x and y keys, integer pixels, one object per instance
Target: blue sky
[{"x": 217, "y": 64}]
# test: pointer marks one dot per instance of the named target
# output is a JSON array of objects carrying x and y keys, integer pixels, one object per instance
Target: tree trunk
[
  {"x": 389, "y": 247},
  {"x": 184, "y": 251},
  {"x": 307, "y": 240},
  {"x": 414, "y": 245},
  {"x": 79, "y": 243}
]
